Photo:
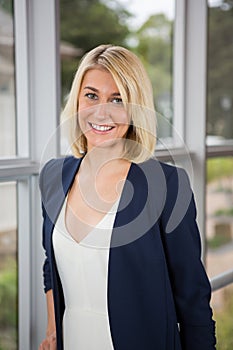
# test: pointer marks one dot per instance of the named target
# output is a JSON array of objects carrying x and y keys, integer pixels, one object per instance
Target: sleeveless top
[{"x": 83, "y": 270}]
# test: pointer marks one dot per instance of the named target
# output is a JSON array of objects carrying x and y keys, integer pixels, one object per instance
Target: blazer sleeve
[
  {"x": 189, "y": 282},
  {"x": 46, "y": 265}
]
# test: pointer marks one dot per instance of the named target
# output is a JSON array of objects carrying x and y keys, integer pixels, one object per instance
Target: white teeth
[{"x": 101, "y": 127}]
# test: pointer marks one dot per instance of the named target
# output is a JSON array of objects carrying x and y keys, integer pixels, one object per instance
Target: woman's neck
[
  {"x": 100, "y": 158},
  {"x": 101, "y": 177}
]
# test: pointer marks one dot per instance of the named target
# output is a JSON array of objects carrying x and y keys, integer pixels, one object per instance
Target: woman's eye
[
  {"x": 117, "y": 100},
  {"x": 91, "y": 96}
]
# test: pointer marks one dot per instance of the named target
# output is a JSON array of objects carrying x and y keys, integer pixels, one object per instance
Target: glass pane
[
  {"x": 222, "y": 302},
  {"x": 219, "y": 215},
  {"x": 8, "y": 268},
  {"x": 220, "y": 72},
  {"x": 7, "y": 81},
  {"x": 146, "y": 27}
]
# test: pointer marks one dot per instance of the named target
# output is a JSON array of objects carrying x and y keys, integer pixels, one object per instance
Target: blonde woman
[{"x": 122, "y": 268}]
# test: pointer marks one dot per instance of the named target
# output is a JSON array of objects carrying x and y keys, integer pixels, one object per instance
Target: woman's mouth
[{"x": 101, "y": 128}]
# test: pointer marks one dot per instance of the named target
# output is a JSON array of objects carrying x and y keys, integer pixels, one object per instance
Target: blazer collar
[
  {"x": 137, "y": 199},
  {"x": 57, "y": 179},
  {"x": 69, "y": 170}
]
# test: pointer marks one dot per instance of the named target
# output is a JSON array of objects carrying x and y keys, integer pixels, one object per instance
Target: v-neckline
[
  {"x": 118, "y": 201},
  {"x": 114, "y": 208}
]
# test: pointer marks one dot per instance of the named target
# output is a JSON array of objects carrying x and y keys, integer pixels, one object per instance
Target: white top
[{"x": 83, "y": 270}]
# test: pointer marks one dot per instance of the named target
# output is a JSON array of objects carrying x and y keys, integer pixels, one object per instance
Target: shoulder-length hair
[{"x": 136, "y": 93}]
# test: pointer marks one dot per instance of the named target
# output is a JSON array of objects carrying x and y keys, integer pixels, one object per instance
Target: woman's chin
[{"x": 106, "y": 144}]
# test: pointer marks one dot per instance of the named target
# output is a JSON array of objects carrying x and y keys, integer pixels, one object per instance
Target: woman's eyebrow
[
  {"x": 96, "y": 90},
  {"x": 91, "y": 88}
]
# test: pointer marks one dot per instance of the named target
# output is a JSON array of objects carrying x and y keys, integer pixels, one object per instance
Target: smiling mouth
[{"x": 101, "y": 128}]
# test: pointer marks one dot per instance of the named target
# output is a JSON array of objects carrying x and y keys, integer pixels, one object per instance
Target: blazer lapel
[
  {"x": 136, "y": 203},
  {"x": 57, "y": 181},
  {"x": 141, "y": 202},
  {"x": 132, "y": 200}
]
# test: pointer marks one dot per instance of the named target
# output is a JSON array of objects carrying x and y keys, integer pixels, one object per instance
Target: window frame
[{"x": 38, "y": 79}]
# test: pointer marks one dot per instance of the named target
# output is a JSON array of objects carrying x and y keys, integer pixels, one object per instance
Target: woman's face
[{"x": 102, "y": 115}]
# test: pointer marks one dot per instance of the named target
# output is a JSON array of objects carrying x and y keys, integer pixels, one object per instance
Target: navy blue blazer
[{"x": 158, "y": 291}]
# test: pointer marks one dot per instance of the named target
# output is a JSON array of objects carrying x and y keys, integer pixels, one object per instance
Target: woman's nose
[{"x": 102, "y": 110}]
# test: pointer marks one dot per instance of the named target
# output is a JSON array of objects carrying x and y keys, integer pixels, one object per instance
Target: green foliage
[
  {"x": 8, "y": 296},
  {"x": 8, "y": 340},
  {"x": 155, "y": 41},
  {"x": 155, "y": 50},
  {"x": 224, "y": 212},
  {"x": 224, "y": 323},
  {"x": 218, "y": 168},
  {"x": 68, "y": 69},
  {"x": 8, "y": 306},
  {"x": 218, "y": 241},
  {"x": 8, "y": 6},
  {"x": 86, "y": 24}
]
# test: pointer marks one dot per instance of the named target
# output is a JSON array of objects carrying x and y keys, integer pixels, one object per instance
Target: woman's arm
[
  {"x": 49, "y": 343},
  {"x": 190, "y": 284}
]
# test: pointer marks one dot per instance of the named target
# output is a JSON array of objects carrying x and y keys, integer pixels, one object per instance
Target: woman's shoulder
[
  {"x": 50, "y": 166},
  {"x": 169, "y": 171},
  {"x": 168, "y": 178},
  {"x": 54, "y": 170},
  {"x": 57, "y": 162}
]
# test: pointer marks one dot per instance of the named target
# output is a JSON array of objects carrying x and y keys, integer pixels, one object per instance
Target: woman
[{"x": 122, "y": 268}]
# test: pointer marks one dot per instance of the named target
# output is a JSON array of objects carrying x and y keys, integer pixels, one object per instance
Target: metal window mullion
[
  {"x": 195, "y": 100},
  {"x": 222, "y": 280},
  {"x": 44, "y": 80},
  {"x": 220, "y": 151},
  {"x": 179, "y": 72},
  {"x": 22, "y": 78},
  {"x": 24, "y": 272},
  {"x": 18, "y": 171}
]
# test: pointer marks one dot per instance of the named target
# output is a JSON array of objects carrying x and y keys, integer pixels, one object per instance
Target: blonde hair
[{"x": 136, "y": 93}]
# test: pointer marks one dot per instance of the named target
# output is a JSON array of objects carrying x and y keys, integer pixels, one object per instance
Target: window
[
  {"x": 171, "y": 41},
  {"x": 16, "y": 178},
  {"x": 219, "y": 203},
  {"x": 144, "y": 27},
  {"x": 8, "y": 190},
  {"x": 219, "y": 218},
  {"x": 7, "y": 81},
  {"x": 223, "y": 308},
  {"x": 219, "y": 236},
  {"x": 8, "y": 267},
  {"x": 219, "y": 186},
  {"x": 220, "y": 68}
]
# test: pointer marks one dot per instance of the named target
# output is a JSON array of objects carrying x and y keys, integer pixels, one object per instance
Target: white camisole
[{"x": 83, "y": 270}]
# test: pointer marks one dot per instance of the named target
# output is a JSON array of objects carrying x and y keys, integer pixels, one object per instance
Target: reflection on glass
[
  {"x": 8, "y": 267},
  {"x": 220, "y": 72},
  {"x": 7, "y": 81},
  {"x": 223, "y": 310},
  {"x": 219, "y": 232},
  {"x": 219, "y": 212},
  {"x": 146, "y": 27}
]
